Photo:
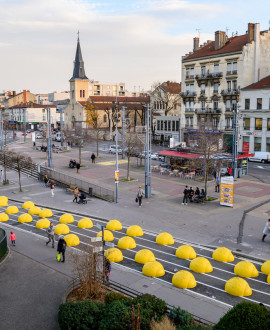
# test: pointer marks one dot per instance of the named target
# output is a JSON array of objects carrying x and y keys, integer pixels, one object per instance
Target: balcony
[
  {"x": 231, "y": 73},
  {"x": 188, "y": 94},
  {"x": 230, "y": 91},
  {"x": 189, "y": 110},
  {"x": 208, "y": 75},
  {"x": 188, "y": 125},
  {"x": 208, "y": 111},
  {"x": 189, "y": 76},
  {"x": 203, "y": 92}
]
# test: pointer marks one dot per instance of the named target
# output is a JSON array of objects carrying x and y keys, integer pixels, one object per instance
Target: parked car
[
  {"x": 23, "y": 133},
  {"x": 112, "y": 149},
  {"x": 154, "y": 156},
  {"x": 29, "y": 131},
  {"x": 260, "y": 156},
  {"x": 39, "y": 136}
]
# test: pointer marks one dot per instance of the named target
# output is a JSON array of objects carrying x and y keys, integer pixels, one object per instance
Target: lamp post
[
  {"x": 24, "y": 124},
  {"x": 61, "y": 127},
  {"x": 13, "y": 124},
  {"x": 116, "y": 174},
  {"x": 235, "y": 139},
  {"x": 148, "y": 152},
  {"x": 49, "y": 144}
]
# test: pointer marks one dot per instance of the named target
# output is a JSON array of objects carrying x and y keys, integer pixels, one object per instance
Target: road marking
[{"x": 120, "y": 161}]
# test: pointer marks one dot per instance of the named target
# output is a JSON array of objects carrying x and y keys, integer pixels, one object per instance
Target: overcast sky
[{"x": 133, "y": 41}]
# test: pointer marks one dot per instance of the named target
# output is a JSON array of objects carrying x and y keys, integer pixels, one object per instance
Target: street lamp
[
  {"x": 235, "y": 138},
  {"x": 116, "y": 174}
]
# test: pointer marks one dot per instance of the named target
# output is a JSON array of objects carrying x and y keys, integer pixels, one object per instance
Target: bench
[{"x": 70, "y": 189}]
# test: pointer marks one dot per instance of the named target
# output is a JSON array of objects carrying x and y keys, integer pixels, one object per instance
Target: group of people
[
  {"x": 82, "y": 196},
  {"x": 193, "y": 196}
]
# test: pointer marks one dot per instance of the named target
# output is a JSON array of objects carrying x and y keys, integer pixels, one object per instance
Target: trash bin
[{"x": 90, "y": 192}]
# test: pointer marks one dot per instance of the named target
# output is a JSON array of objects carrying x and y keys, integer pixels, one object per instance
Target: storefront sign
[
  {"x": 246, "y": 147},
  {"x": 116, "y": 176},
  {"x": 226, "y": 191}
]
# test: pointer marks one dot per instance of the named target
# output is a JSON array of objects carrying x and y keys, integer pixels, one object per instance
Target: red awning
[
  {"x": 179, "y": 154},
  {"x": 245, "y": 156}
]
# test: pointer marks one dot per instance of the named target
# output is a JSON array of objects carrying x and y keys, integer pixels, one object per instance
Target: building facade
[
  {"x": 254, "y": 121},
  {"x": 214, "y": 73}
]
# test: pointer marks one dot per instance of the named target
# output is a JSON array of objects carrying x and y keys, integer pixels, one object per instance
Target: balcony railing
[
  {"x": 188, "y": 94},
  {"x": 230, "y": 91},
  {"x": 190, "y": 76},
  {"x": 202, "y": 92},
  {"x": 208, "y": 111},
  {"x": 188, "y": 125},
  {"x": 229, "y": 73},
  {"x": 189, "y": 109},
  {"x": 209, "y": 75}
]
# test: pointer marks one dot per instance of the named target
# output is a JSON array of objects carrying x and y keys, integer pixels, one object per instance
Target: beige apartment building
[
  {"x": 23, "y": 97},
  {"x": 214, "y": 73}
]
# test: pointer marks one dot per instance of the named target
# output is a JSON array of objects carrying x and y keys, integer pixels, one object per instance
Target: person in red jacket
[{"x": 12, "y": 238}]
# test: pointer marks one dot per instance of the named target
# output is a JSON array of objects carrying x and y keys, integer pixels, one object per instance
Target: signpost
[{"x": 226, "y": 191}]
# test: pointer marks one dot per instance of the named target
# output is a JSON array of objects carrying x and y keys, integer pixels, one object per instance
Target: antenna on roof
[
  {"x": 227, "y": 30},
  {"x": 198, "y": 30}
]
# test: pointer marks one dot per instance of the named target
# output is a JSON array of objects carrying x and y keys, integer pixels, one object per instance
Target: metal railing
[{"x": 3, "y": 243}]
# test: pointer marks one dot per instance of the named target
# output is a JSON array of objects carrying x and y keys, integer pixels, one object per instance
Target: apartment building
[{"x": 214, "y": 73}]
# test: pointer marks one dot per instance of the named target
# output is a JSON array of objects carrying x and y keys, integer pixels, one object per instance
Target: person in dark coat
[
  {"x": 93, "y": 157},
  {"x": 186, "y": 195},
  {"x": 61, "y": 247},
  {"x": 78, "y": 166}
]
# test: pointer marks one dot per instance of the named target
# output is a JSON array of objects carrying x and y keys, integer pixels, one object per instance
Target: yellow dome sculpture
[
  {"x": 12, "y": 209},
  {"x": 223, "y": 254},
  {"x": 43, "y": 224},
  {"x": 266, "y": 267},
  {"x": 135, "y": 231},
  {"x": 72, "y": 240},
  {"x": 85, "y": 223},
  {"x": 61, "y": 229},
  {"x": 268, "y": 279},
  {"x": 245, "y": 269},
  {"x": 4, "y": 198},
  {"x": 201, "y": 265},
  {"x": 25, "y": 218},
  {"x": 108, "y": 235},
  {"x": 3, "y": 217},
  {"x": 114, "y": 255},
  {"x": 143, "y": 256},
  {"x": 126, "y": 242},
  {"x": 185, "y": 252},
  {"x": 34, "y": 210},
  {"x": 238, "y": 287},
  {"x": 45, "y": 213},
  {"x": 114, "y": 225},
  {"x": 66, "y": 218},
  {"x": 28, "y": 205},
  {"x": 153, "y": 269},
  {"x": 164, "y": 239},
  {"x": 3, "y": 202},
  {"x": 184, "y": 280}
]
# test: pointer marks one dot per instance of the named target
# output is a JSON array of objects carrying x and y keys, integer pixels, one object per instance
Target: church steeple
[{"x": 78, "y": 71}]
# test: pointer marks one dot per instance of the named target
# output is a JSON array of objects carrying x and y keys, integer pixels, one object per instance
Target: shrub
[
  {"x": 180, "y": 317},
  {"x": 79, "y": 315},
  {"x": 151, "y": 308},
  {"x": 245, "y": 315},
  {"x": 116, "y": 315},
  {"x": 114, "y": 296},
  {"x": 164, "y": 324}
]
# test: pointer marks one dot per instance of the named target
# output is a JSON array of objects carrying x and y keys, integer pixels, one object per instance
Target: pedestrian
[
  {"x": 78, "y": 166},
  {"x": 46, "y": 180},
  {"x": 108, "y": 268},
  {"x": 1, "y": 176},
  {"x": 229, "y": 171},
  {"x": 266, "y": 231},
  {"x": 12, "y": 238},
  {"x": 52, "y": 188},
  {"x": 191, "y": 195},
  {"x": 140, "y": 196},
  {"x": 76, "y": 194},
  {"x": 50, "y": 232},
  {"x": 61, "y": 247},
  {"x": 217, "y": 184},
  {"x": 186, "y": 194},
  {"x": 93, "y": 157}
]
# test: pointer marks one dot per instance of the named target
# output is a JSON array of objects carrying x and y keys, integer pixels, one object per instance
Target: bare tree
[
  {"x": 133, "y": 145},
  {"x": 79, "y": 138},
  {"x": 20, "y": 162}
]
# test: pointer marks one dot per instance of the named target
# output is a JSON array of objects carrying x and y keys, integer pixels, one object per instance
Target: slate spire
[{"x": 78, "y": 71}]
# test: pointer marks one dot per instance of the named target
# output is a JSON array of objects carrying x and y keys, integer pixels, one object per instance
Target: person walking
[
  {"x": 76, "y": 194},
  {"x": 52, "y": 188},
  {"x": 217, "y": 184},
  {"x": 78, "y": 166},
  {"x": 108, "y": 268},
  {"x": 12, "y": 238},
  {"x": 50, "y": 232},
  {"x": 266, "y": 231},
  {"x": 46, "y": 180},
  {"x": 93, "y": 157},
  {"x": 186, "y": 194},
  {"x": 61, "y": 247},
  {"x": 140, "y": 195}
]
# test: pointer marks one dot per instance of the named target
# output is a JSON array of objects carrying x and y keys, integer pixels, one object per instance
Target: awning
[{"x": 179, "y": 154}]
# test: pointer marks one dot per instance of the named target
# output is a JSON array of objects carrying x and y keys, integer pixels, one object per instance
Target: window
[
  {"x": 229, "y": 68},
  {"x": 234, "y": 67},
  {"x": 177, "y": 126},
  {"x": 228, "y": 105},
  {"x": 104, "y": 118},
  {"x": 80, "y": 93},
  {"x": 158, "y": 125},
  {"x": 215, "y": 122},
  {"x": 155, "y": 104},
  {"x": 192, "y": 88},
  {"x": 216, "y": 68},
  {"x": 191, "y": 121},
  {"x": 161, "y": 125},
  {"x": 203, "y": 105},
  {"x": 187, "y": 121},
  {"x": 169, "y": 125},
  {"x": 192, "y": 73},
  {"x": 187, "y": 88},
  {"x": 215, "y": 104},
  {"x": 173, "y": 125},
  {"x": 187, "y": 73},
  {"x": 165, "y": 125},
  {"x": 203, "y": 70},
  {"x": 268, "y": 124},
  {"x": 228, "y": 122},
  {"x": 233, "y": 104},
  {"x": 267, "y": 144},
  {"x": 257, "y": 143},
  {"x": 202, "y": 88},
  {"x": 229, "y": 84},
  {"x": 258, "y": 124},
  {"x": 247, "y": 104},
  {"x": 215, "y": 87},
  {"x": 187, "y": 105},
  {"x": 192, "y": 105},
  {"x": 246, "y": 124},
  {"x": 234, "y": 82},
  {"x": 259, "y": 103}
]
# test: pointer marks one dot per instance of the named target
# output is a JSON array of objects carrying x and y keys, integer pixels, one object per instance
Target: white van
[
  {"x": 260, "y": 156},
  {"x": 112, "y": 149},
  {"x": 57, "y": 137}
]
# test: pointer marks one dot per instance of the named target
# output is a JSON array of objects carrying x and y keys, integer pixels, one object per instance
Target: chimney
[
  {"x": 256, "y": 51},
  {"x": 220, "y": 39},
  {"x": 196, "y": 41},
  {"x": 13, "y": 93},
  {"x": 24, "y": 96},
  {"x": 251, "y": 27}
]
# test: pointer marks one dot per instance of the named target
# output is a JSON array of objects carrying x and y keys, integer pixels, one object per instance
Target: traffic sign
[
  {"x": 97, "y": 249},
  {"x": 99, "y": 226},
  {"x": 109, "y": 244},
  {"x": 96, "y": 239}
]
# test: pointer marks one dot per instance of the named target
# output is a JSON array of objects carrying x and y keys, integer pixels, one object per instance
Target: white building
[
  {"x": 254, "y": 122},
  {"x": 214, "y": 73},
  {"x": 58, "y": 96}
]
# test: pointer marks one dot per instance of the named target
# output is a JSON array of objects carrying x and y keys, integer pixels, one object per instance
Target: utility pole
[
  {"x": 235, "y": 139},
  {"x": 49, "y": 144},
  {"x": 116, "y": 174},
  {"x": 123, "y": 130},
  {"x": 2, "y": 128},
  {"x": 180, "y": 130},
  {"x": 148, "y": 152},
  {"x": 13, "y": 124},
  {"x": 24, "y": 124},
  {"x": 61, "y": 127}
]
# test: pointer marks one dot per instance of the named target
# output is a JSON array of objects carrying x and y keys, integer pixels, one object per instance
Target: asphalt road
[{"x": 209, "y": 285}]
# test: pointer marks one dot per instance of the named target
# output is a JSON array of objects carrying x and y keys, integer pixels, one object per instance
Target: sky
[{"x": 132, "y": 41}]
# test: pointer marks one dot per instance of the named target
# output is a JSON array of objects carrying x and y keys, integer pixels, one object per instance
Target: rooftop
[
  {"x": 32, "y": 105},
  {"x": 261, "y": 84}
]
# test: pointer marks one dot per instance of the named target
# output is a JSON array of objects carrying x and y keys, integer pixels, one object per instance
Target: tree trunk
[
  {"x": 19, "y": 173},
  {"x": 80, "y": 153},
  {"x": 128, "y": 164}
]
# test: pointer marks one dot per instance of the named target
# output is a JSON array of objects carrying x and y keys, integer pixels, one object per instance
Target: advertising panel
[
  {"x": 116, "y": 176},
  {"x": 226, "y": 191}
]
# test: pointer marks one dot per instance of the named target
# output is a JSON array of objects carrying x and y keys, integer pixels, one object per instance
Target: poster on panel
[{"x": 226, "y": 191}]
